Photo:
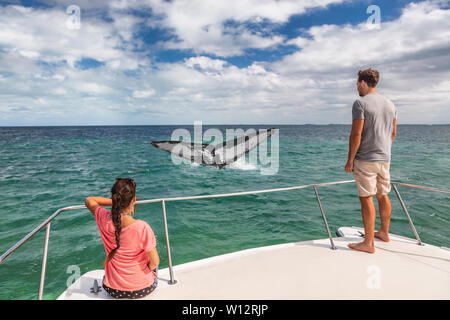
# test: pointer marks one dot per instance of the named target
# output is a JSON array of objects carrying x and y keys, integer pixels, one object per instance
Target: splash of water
[{"x": 242, "y": 164}]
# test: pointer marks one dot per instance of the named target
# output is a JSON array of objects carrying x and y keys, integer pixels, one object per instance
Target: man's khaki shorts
[{"x": 372, "y": 177}]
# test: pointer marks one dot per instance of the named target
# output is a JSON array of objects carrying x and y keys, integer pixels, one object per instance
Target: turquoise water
[{"x": 45, "y": 168}]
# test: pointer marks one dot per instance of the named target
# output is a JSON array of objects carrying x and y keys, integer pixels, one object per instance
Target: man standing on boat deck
[{"x": 373, "y": 132}]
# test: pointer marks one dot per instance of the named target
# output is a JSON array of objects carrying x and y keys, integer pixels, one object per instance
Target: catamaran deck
[{"x": 399, "y": 269}]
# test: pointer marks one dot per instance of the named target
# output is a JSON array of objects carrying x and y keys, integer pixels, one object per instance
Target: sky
[{"x": 155, "y": 62}]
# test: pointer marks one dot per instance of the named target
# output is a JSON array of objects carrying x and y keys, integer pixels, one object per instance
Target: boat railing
[{"x": 47, "y": 222}]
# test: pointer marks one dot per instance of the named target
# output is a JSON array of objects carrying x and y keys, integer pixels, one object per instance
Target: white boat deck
[{"x": 399, "y": 269}]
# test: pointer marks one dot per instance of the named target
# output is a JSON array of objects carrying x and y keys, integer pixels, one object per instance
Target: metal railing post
[
  {"x": 172, "y": 280},
  {"x": 44, "y": 262},
  {"x": 333, "y": 247},
  {"x": 419, "y": 242}
]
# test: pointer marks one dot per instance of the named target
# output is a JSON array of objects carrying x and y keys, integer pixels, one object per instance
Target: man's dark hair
[{"x": 370, "y": 76}]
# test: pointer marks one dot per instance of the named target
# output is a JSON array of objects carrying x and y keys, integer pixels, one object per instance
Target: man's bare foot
[
  {"x": 362, "y": 246},
  {"x": 382, "y": 235}
]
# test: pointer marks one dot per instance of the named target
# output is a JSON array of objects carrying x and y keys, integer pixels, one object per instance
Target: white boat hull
[{"x": 399, "y": 269}]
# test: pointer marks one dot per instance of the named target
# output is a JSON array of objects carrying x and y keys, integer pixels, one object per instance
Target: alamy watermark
[
  {"x": 75, "y": 274},
  {"x": 73, "y": 22},
  {"x": 374, "y": 21},
  {"x": 374, "y": 279}
]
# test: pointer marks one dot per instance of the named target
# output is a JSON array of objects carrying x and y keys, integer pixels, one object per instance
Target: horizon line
[{"x": 230, "y": 124}]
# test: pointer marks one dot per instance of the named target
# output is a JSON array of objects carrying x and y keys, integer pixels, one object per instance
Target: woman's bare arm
[
  {"x": 153, "y": 258},
  {"x": 93, "y": 202}
]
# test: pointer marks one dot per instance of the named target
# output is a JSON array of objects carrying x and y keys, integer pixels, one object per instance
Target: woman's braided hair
[{"x": 122, "y": 193}]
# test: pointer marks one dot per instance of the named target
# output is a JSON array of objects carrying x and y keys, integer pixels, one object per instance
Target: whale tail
[{"x": 219, "y": 155}]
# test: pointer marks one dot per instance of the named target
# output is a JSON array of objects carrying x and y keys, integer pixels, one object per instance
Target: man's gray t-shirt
[{"x": 379, "y": 114}]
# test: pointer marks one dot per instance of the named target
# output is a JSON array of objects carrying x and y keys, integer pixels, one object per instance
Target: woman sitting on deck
[{"x": 132, "y": 259}]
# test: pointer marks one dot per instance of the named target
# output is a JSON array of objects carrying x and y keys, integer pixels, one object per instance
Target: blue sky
[{"x": 220, "y": 62}]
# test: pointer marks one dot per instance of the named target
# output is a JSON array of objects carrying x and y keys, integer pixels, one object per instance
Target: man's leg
[
  {"x": 384, "y": 205},
  {"x": 368, "y": 216}
]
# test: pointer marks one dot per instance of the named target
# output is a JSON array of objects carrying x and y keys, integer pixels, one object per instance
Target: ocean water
[{"x": 43, "y": 169}]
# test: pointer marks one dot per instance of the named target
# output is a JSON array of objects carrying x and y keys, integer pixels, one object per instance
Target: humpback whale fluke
[{"x": 218, "y": 155}]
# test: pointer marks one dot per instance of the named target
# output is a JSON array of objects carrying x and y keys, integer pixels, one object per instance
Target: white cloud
[
  {"x": 206, "y": 64},
  {"x": 59, "y": 91},
  {"x": 92, "y": 88},
  {"x": 201, "y": 26},
  {"x": 422, "y": 26},
  {"x": 58, "y": 77},
  {"x": 316, "y": 84},
  {"x": 43, "y": 34},
  {"x": 29, "y": 54},
  {"x": 143, "y": 93},
  {"x": 40, "y": 101},
  {"x": 411, "y": 53}
]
